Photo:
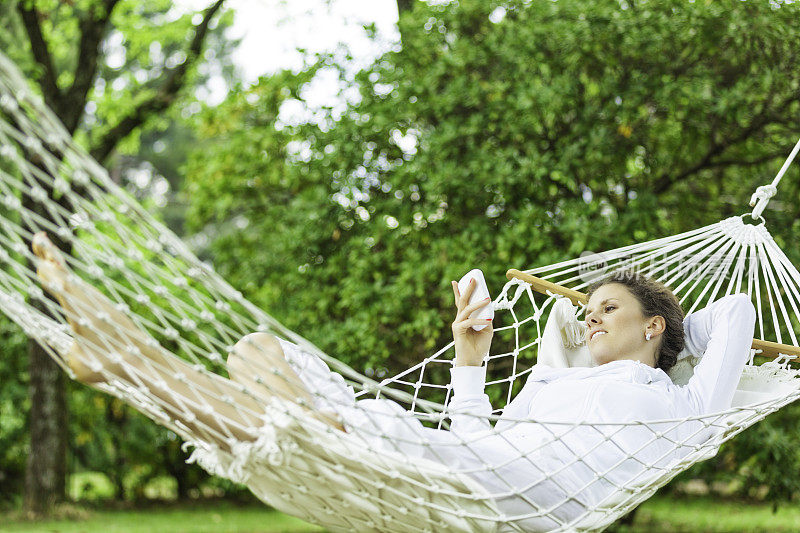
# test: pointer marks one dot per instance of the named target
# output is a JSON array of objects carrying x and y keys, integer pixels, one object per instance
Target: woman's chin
[{"x": 600, "y": 358}]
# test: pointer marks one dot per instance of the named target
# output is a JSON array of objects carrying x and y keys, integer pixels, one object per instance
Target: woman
[{"x": 560, "y": 448}]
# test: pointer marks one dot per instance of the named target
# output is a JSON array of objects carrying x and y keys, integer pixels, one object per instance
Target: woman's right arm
[
  {"x": 723, "y": 334},
  {"x": 469, "y": 406}
]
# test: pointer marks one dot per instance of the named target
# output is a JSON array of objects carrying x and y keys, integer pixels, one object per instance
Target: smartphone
[{"x": 480, "y": 293}]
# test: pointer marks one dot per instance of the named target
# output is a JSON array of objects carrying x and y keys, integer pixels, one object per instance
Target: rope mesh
[{"x": 138, "y": 316}]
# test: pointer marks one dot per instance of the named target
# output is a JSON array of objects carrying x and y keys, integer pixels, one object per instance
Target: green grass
[
  {"x": 660, "y": 514},
  {"x": 216, "y": 517},
  {"x": 706, "y": 514}
]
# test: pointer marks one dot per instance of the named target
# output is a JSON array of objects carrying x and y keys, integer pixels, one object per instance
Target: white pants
[{"x": 517, "y": 479}]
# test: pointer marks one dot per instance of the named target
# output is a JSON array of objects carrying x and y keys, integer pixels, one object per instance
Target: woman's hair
[{"x": 655, "y": 299}]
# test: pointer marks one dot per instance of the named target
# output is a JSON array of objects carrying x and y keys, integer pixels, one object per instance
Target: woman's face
[{"x": 616, "y": 325}]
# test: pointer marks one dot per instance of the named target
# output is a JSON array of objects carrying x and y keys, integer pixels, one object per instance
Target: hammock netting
[{"x": 184, "y": 321}]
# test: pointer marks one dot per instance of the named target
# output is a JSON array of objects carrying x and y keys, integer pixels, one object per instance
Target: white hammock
[{"x": 300, "y": 465}]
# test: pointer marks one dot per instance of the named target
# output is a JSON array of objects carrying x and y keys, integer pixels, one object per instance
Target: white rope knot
[
  {"x": 761, "y": 197},
  {"x": 763, "y": 192},
  {"x": 502, "y": 302}
]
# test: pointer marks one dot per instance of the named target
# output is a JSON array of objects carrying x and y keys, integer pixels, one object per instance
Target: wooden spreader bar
[{"x": 768, "y": 348}]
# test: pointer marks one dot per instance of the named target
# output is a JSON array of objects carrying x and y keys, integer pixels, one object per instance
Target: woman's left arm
[
  {"x": 469, "y": 406},
  {"x": 723, "y": 334}
]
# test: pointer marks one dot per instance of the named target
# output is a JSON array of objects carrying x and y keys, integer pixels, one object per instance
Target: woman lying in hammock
[{"x": 568, "y": 441}]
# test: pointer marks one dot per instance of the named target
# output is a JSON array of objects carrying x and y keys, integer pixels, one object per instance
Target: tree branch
[
  {"x": 765, "y": 118},
  {"x": 93, "y": 29},
  {"x": 48, "y": 82},
  {"x": 744, "y": 163},
  {"x": 173, "y": 81}
]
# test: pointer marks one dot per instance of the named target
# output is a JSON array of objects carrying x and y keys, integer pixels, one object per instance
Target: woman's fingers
[
  {"x": 468, "y": 310},
  {"x": 463, "y": 299},
  {"x": 464, "y": 325},
  {"x": 469, "y": 290},
  {"x": 470, "y": 321},
  {"x": 480, "y": 322}
]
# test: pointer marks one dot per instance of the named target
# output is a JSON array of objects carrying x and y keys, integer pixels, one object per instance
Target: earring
[{"x": 647, "y": 336}]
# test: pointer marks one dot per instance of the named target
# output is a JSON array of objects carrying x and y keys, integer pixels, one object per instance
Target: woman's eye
[{"x": 609, "y": 307}]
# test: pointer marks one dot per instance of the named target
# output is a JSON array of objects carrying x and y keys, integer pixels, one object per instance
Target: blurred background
[{"x": 340, "y": 161}]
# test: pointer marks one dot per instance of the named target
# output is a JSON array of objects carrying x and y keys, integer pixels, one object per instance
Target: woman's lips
[{"x": 598, "y": 332}]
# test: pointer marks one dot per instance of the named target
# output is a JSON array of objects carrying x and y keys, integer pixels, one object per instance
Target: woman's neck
[{"x": 644, "y": 358}]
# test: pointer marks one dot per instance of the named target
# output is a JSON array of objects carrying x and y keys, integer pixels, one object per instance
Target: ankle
[{"x": 83, "y": 370}]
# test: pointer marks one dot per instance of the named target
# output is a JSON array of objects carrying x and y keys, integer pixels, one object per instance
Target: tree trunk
[
  {"x": 404, "y": 5},
  {"x": 187, "y": 476},
  {"x": 116, "y": 417},
  {"x": 46, "y": 469}
]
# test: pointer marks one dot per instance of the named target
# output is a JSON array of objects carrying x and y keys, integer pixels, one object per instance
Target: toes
[
  {"x": 51, "y": 269},
  {"x": 44, "y": 248},
  {"x": 51, "y": 276},
  {"x": 39, "y": 244}
]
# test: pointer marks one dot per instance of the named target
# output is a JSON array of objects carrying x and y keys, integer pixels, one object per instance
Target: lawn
[
  {"x": 216, "y": 517},
  {"x": 705, "y": 514},
  {"x": 660, "y": 514}
]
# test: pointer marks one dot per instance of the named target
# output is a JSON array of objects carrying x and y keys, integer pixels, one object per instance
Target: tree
[
  {"x": 404, "y": 5},
  {"x": 71, "y": 45},
  {"x": 502, "y": 135}
]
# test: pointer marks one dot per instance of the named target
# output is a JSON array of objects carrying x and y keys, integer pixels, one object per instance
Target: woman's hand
[{"x": 471, "y": 346}]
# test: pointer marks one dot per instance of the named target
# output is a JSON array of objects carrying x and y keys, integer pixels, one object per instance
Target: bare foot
[
  {"x": 51, "y": 269},
  {"x": 54, "y": 275}
]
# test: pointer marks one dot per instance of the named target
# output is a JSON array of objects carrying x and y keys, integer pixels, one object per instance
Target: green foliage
[
  {"x": 110, "y": 437},
  {"x": 755, "y": 465},
  {"x": 564, "y": 127},
  {"x": 148, "y": 37},
  {"x": 141, "y": 41}
]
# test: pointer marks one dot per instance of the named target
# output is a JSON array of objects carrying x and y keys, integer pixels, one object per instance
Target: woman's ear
[{"x": 656, "y": 325}]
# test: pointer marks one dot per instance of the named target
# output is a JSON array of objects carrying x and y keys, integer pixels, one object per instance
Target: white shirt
[
  {"x": 722, "y": 333},
  {"x": 567, "y": 414}
]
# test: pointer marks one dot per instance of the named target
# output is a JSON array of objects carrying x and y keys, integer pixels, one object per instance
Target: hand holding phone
[
  {"x": 479, "y": 293},
  {"x": 471, "y": 336}
]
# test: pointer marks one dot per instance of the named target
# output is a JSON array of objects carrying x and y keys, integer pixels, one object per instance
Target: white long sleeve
[
  {"x": 469, "y": 406},
  {"x": 723, "y": 333}
]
